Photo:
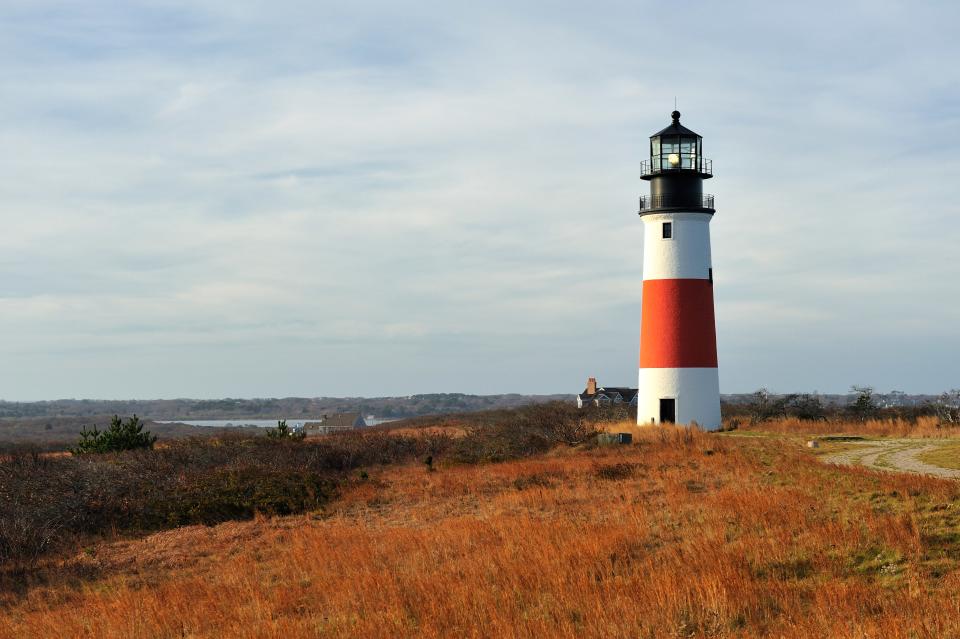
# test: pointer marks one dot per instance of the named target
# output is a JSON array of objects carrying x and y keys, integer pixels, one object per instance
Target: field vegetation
[
  {"x": 52, "y": 501},
  {"x": 924, "y": 426},
  {"x": 520, "y": 526},
  {"x": 945, "y": 456},
  {"x": 862, "y": 415}
]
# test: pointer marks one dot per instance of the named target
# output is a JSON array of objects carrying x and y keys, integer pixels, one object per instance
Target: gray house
[
  {"x": 334, "y": 423},
  {"x": 606, "y": 395}
]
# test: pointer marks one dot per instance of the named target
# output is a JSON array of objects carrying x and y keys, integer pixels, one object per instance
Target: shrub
[
  {"x": 238, "y": 493},
  {"x": 546, "y": 479},
  {"x": 494, "y": 436},
  {"x": 805, "y": 406},
  {"x": 864, "y": 406},
  {"x": 122, "y": 435},
  {"x": 282, "y": 431},
  {"x": 947, "y": 407},
  {"x": 615, "y": 471},
  {"x": 45, "y": 500}
]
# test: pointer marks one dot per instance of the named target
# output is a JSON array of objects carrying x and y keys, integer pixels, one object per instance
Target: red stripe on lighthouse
[{"x": 677, "y": 328}]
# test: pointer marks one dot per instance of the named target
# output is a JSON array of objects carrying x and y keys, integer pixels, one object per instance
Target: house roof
[
  {"x": 609, "y": 391},
  {"x": 623, "y": 390}
]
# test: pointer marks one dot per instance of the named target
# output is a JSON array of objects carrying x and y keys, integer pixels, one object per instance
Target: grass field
[
  {"x": 922, "y": 427},
  {"x": 683, "y": 534},
  {"x": 946, "y": 456}
]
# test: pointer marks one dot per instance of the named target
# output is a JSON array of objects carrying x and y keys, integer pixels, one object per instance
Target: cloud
[{"x": 310, "y": 199}]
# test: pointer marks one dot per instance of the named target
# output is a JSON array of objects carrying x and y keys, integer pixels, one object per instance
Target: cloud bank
[{"x": 200, "y": 199}]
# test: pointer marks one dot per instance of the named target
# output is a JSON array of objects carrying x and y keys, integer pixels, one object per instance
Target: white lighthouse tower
[{"x": 678, "y": 341}]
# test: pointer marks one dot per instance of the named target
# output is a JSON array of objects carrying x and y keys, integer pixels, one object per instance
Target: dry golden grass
[
  {"x": 927, "y": 426},
  {"x": 684, "y": 534},
  {"x": 452, "y": 431},
  {"x": 947, "y": 456}
]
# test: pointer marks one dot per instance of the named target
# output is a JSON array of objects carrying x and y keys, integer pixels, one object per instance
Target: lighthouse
[{"x": 679, "y": 382}]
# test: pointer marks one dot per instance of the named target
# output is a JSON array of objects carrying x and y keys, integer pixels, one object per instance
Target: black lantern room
[{"x": 676, "y": 171}]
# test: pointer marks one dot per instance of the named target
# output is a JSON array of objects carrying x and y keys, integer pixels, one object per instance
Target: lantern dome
[{"x": 676, "y": 149}]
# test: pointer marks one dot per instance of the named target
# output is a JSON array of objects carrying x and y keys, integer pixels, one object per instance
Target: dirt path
[{"x": 893, "y": 454}]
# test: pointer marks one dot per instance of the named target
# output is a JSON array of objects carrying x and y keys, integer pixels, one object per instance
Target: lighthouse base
[{"x": 685, "y": 394}]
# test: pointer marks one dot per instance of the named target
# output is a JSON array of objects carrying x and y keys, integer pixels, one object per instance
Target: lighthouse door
[{"x": 668, "y": 411}]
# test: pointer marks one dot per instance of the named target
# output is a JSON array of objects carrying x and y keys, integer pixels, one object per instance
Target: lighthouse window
[
  {"x": 688, "y": 153},
  {"x": 667, "y": 230}
]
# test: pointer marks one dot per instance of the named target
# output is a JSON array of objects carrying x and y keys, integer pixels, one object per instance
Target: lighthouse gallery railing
[
  {"x": 660, "y": 164},
  {"x": 670, "y": 201}
]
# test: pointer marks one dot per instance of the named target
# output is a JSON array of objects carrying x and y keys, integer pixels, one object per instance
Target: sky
[{"x": 218, "y": 199}]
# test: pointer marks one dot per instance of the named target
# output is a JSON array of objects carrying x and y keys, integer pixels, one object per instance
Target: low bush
[
  {"x": 45, "y": 500},
  {"x": 615, "y": 471},
  {"x": 545, "y": 479},
  {"x": 499, "y": 435},
  {"x": 282, "y": 431},
  {"x": 121, "y": 435}
]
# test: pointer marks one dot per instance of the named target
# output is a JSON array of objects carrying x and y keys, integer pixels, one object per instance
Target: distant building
[
  {"x": 334, "y": 423},
  {"x": 606, "y": 395}
]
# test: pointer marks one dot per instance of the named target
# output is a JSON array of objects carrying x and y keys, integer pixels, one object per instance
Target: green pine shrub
[{"x": 122, "y": 435}]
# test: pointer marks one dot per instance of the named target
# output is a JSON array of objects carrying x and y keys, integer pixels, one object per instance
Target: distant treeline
[
  {"x": 861, "y": 403},
  {"x": 389, "y": 407},
  {"x": 287, "y": 407},
  {"x": 60, "y": 433}
]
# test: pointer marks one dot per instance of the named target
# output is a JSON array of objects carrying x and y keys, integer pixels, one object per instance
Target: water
[{"x": 260, "y": 423}]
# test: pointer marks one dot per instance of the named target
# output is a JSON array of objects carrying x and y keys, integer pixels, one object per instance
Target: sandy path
[{"x": 893, "y": 454}]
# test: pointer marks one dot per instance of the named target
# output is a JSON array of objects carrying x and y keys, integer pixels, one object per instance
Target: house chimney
[{"x": 591, "y": 386}]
